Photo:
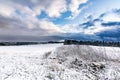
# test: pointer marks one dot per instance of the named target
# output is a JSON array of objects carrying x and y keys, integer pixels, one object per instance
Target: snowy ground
[{"x": 58, "y": 62}]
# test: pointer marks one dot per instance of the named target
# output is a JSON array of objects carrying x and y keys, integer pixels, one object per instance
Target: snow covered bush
[{"x": 89, "y": 62}]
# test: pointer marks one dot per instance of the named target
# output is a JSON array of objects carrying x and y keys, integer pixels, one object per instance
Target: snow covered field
[
  {"x": 23, "y": 62},
  {"x": 58, "y": 62}
]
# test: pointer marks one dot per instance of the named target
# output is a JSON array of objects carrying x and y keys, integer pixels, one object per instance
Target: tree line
[
  {"x": 27, "y": 43},
  {"x": 16, "y": 43},
  {"x": 95, "y": 43}
]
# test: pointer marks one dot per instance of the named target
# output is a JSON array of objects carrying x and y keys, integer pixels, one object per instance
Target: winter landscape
[
  {"x": 59, "y": 39},
  {"x": 59, "y": 62}
]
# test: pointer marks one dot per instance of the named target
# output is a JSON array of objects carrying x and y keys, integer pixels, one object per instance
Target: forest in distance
[
  {"x": 94, "y": 43},
  {"x": 66, "y": 42}
]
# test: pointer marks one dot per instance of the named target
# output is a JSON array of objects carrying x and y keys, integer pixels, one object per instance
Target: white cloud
[
  {"x": 49, "y": 26},
  {"x": 21, "y": 15},
  {"x": 111, "y": 16},
  {"x": 74, "y": 7},
  {"x": 53, "y": 8},
  {"x": 96, "y": 29},
  {"x": 89, "y": 31},
  {"x": 56, "y": 8},
  {"x": 72, "y": 28},
  {"x": 6, "y": 10},
  {"x": 97, "y": 26}
]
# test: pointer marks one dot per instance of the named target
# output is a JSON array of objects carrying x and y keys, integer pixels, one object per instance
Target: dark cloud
[
  {"x": 110, "y": 35},
  {"x": 102, "y": 15},
  {"x": 24, "y": 38},
  {"x": 97, "y": 20},
  {"x": 6, "y": 22},
  {"x": 80, "y": 36},
  {"x": 117, "y": 11},
  {"x": 9, "y": 27},
  {"x": 111, "y": 24},
  {"x": 87, "y": 24},
  {"x": 92, "y": 21}
]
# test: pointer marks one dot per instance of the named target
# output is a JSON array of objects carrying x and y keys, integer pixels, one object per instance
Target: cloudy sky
[{"x": 40, "y": 20}]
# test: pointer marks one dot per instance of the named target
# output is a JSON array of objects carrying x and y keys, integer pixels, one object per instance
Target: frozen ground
[{"x": 58, "y": 62}]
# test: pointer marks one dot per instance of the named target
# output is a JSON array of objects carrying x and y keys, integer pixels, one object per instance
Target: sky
[{"x": 45, "y": 20}]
